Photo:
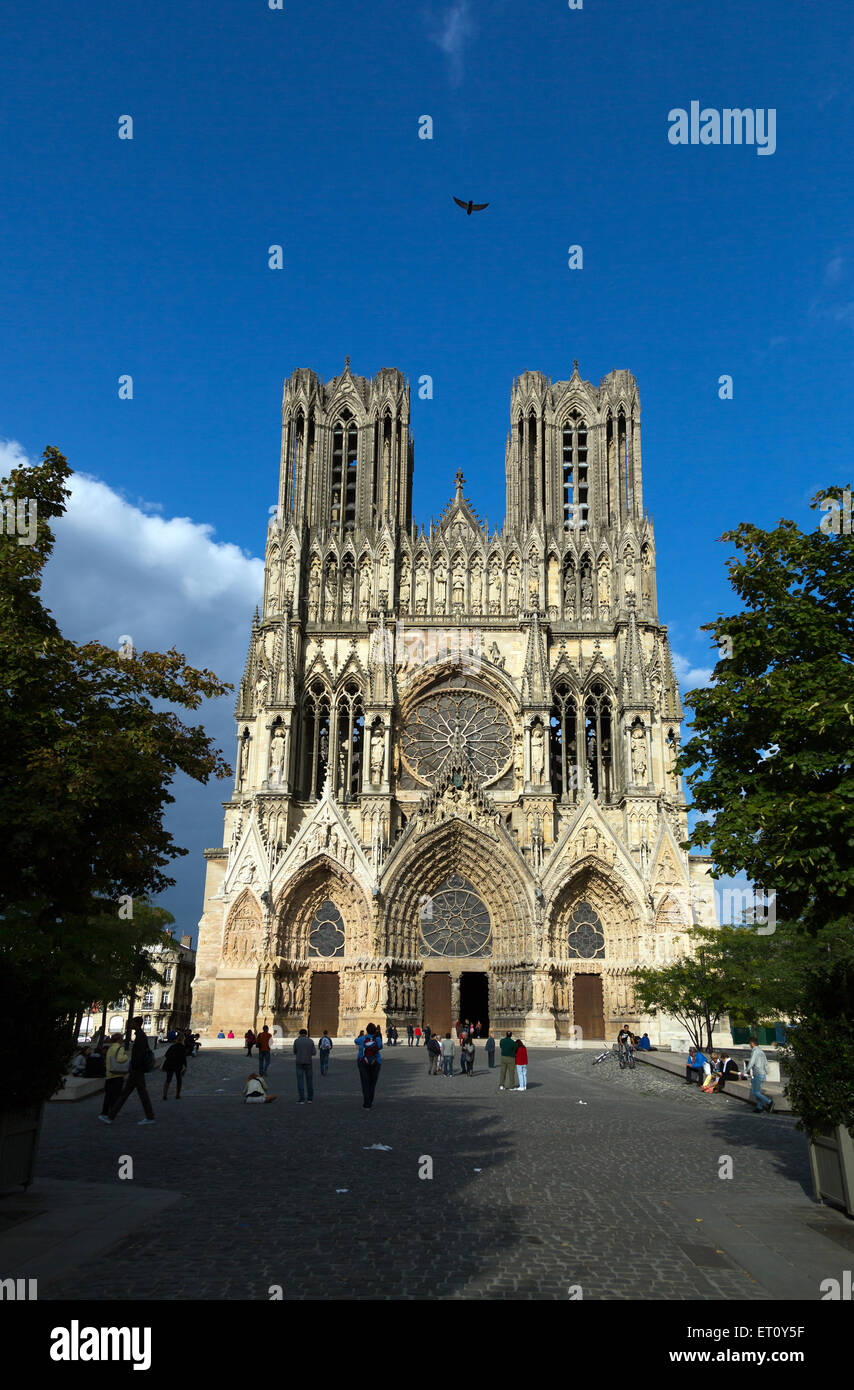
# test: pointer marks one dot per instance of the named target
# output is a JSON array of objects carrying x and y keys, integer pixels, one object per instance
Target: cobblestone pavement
[{"x": 592, "y": 1177}]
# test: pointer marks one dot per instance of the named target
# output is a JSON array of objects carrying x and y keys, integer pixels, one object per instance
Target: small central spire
[
  {"x": 347, "y": 363},
  {"x": 460, "y": 480}
]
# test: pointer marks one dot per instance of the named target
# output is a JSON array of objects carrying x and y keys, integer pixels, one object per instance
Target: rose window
[
  {"x": 438, "y": 721},
  {"x": 586, "y": 938},
  {"x": 326, "y": 933},
  {"x": 454, "y": 921}
]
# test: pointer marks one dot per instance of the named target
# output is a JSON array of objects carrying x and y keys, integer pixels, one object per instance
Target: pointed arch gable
[{"x": 310, "y": 887}]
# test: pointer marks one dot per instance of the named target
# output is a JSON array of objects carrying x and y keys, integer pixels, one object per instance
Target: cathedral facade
[{"x": 456, "y": 789}]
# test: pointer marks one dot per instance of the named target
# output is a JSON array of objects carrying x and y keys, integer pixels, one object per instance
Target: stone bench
[
  {"x": 740, "y": 1090},
  {"x": 79, "y": 1087}
]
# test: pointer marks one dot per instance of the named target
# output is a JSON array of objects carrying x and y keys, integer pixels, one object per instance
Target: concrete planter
[
  {"x": 832, "y": 1167},
  {"x": 19, "y": 1138}
]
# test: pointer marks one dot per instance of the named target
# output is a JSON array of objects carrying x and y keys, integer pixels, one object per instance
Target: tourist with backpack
[
  {"x": 369, "y": 1059},
  {"x": 434, "y": 1052},
  {"x": 141, "y": 1061},
  {"x": 324, "y": 1047}
]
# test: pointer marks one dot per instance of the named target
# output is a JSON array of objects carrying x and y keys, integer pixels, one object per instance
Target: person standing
[
  {"x": 507, "y": 1079},
  {"x": 410, "y": 1035},
  {"x": 417, "y": 1035},
  {"x": 139, "y": 1065},
  {"x": 521, "y": 1060},
  {"x": 262, "y": 1042},
  {"x": 304, "y": 1050},
  {"x": 116, "y": 1070},
  {"x": 757, "y": 1070},
  {"x": 447, "y": 1055},
  {"x": 174, "y": 1064},
  {"x": 468, "y": 1053},
  {"x": 369, "y": 1060},
  {"x": 249, "y": 1039},
  {"x": 324, "y": 1048},
  {"x": 434, "y": 1052},
  {"x": 490, "y": 1050}
]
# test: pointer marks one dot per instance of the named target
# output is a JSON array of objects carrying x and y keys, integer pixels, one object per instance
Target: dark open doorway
[{"x": 474, "y": 999}]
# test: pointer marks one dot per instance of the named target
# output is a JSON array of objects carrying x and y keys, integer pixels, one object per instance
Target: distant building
[{"x": 163, "y": 1005}]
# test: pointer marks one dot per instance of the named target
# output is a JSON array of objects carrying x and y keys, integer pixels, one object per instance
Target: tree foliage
[
  {"x": 771, "y": 768},
  {"x": 93, "y": 742}
]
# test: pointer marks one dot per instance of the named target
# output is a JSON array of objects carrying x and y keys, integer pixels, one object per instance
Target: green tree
[
  {"x": 92, "y": 741},
  {"x": 771, "y": 769}
]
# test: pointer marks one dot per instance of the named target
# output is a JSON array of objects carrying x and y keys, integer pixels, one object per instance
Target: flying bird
[{"x": 470, "y": 207}]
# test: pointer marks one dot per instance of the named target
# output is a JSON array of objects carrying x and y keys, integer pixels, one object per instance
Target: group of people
[
  {"x": 126, "y": 1066},
  {"x": 713, "y": 1072},
  {"x": 626, "y": 1038},
  {"x": 369, "y": 1058}
]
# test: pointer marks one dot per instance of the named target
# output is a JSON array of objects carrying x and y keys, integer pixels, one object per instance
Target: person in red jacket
[
  {"x": 521, "y": 1066},
  {"x": 417, "y": 1036}
]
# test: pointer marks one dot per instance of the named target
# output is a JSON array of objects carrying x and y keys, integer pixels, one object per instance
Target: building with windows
[
  {"x": 163, "y": 1005},
  {"x": 456, "y": 788}
]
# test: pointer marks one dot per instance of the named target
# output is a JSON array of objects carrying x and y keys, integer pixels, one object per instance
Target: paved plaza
[{"x": 593, "y": 1177}]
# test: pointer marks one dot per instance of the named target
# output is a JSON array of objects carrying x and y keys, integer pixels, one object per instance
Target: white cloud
[
  {"x": 451, "y": 32},
  {"x": 690, "y": 677},
  {"x": 120, "y": 568}
]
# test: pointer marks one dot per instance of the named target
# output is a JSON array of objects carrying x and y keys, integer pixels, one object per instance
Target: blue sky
[{"x": 299, "y": 127}]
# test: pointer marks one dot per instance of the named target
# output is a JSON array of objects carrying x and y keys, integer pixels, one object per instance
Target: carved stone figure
[
  {"x": 377, "y": 756},
  {"x": 243, "y": 762},
  {"x": 639, "y": 762},
  {"x": 290, "y": 577},
  {"x": 605, "y": 587},
  {"x": 513, "y": 586},
  {"x": 630, "y": 573},
  {"x": 421, "y": 586},
  {"x": 405, "y": 587},
  {"x": 384, "y": 574},
  {"x": 347, "y": 596},
  {"x": 569, "y": 594},
  {"x": 495, "y": 656},
  {"x": 365, "y": 575},
  {"x": 646, "y": 576},
  {"x": 459, "y": 586},
  {"x": 277, "y": 755},
  {"x": 314, "y": 592},
  {"x": 440, "y": 586},
  {"x": 538, "y": 754},
  {"x": 274, "y": 587}
]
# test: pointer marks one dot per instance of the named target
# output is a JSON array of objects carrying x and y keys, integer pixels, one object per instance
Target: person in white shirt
[{"x": 757, "y": 1068}]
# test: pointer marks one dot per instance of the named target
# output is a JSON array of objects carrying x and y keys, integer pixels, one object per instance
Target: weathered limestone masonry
[{"x": 455, "y": 786}]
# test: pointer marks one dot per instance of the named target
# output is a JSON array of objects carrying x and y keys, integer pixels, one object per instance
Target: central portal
[{"x": 474, "y": 999}]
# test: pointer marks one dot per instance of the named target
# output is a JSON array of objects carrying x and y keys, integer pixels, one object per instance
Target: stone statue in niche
[
  {"x": 274, "y": 588},
  {"x": 630, "y": 573},
  {"x": 384, "y": 574},
  {"x": 277, "y": 756},
  {"x": 405, "y": 588},
  {"x": 347, "y": 596},
  {"x": 646, "y": 576},
  {"x": 421, "y": 587},
  {"x": 639, "y": 761},
  {"x": 477, "y": 589},
  {"x": 314, "y": 593},
  {"x": 494, "y": 587},
  {"x": 364, "y": 588},
  {"x": 538, "y": 754},
  {"x": 513, "y": 587},
  {"x": 605, "y": 586},
  {"x": 377, "y": 756},
  {"x": 243, "y": 762},
  {"x": 290, "y": 576},
  {"x": 459, "y": 588},
  {"x": 440, "y": 586},
  {"x": 569, "y": 593},
  {"x": 330, "y": 593}
]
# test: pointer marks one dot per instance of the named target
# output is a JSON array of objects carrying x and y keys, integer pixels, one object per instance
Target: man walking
[
  {"x": 304, "y": 1050},
  {"x": 507, "y": 1079},
  {"x": 490, "y": 1050},
  {"x": 447, "y": 1055},
  {"x": 757, "y": 1069},
  {"x": 262, "y": 1042},
  {"x": 139, "y": 1065},
  {"x": 116, "y": 1070},
  {"x": 410, "y": 1035},
  {"x": 324, "y": 1047},
  {"x": 434, "y": 1052}
]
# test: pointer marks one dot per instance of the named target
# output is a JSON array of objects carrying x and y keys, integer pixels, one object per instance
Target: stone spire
[{"x": 536, "y": 684}]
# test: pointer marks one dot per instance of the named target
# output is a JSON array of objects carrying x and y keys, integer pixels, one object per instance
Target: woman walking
[{"x": 521, "y": 1066}]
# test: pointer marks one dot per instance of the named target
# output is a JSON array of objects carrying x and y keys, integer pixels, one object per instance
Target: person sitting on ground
[
  {"x": 727, "y": 1069},
  {"x": 255, "y": 1091},
  {"x": 220, "y": 1034},
  {"x": 645, "y": 1045}
]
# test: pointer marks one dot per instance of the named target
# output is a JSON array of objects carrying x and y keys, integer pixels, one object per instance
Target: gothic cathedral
[{"x": 456, "y": 789}]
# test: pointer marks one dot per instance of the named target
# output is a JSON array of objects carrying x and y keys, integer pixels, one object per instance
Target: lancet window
[
  {"x": 351, "y": 740},
  {"x": 566, "y": 776},
  {"x": 315, "y": 743},
  {"x": 345, "y": 448},
  {"x": 575, "y": 476},
  {"x": 598, "y": 742}
]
